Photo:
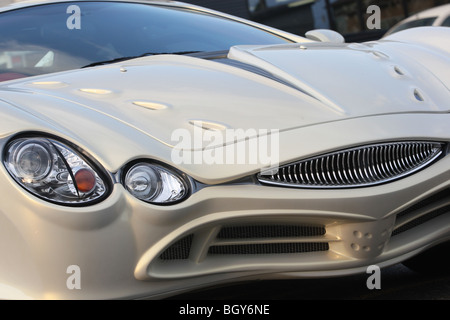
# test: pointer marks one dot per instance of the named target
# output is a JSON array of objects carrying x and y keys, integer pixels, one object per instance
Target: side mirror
[{"x": 324, "y": 35}]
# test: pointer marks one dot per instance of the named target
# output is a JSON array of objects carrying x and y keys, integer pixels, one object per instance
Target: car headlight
[
  {"x": 53, "y": 171},
  {"x": 155, "y": 184}
]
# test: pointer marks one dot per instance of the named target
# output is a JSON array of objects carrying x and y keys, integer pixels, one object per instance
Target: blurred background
[{"x": 348, "y": 17}]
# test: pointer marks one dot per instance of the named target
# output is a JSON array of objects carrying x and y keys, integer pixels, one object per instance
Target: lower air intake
[
  {"x": 432, "y": 207},
  {"x": 179, "y": 250},
  {"x": 268, "y": 248},
  {"x": 263, "y": 239},
  {"x": 269, "y": 231}
]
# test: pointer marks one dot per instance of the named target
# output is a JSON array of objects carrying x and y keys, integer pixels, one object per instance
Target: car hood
[
  {"x": 254, "y": 88},
  {"x": 288, "y": 87}
]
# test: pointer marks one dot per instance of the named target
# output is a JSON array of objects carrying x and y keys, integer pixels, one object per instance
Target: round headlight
[
  {"x": 155, "y": 184},
  {"x": 142, "y": 181},
  {"x": 53, "y": 171},
  {"x": 32, "y": 158}
]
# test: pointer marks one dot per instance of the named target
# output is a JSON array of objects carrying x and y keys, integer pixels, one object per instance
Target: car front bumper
[
  {"x": 225, "y": 232},
  {"x": 125, "y": 248}
]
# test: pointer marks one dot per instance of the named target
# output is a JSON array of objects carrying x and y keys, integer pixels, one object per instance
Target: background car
[{"x": 437, "y": 16}]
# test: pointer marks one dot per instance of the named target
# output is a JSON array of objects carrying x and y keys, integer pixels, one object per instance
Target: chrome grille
[{"x": 356, "y": 167}]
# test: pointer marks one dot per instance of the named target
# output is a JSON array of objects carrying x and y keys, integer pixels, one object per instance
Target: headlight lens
[
  {"x": 53, "y": 171},
  {"x": 155, "y": 184}
]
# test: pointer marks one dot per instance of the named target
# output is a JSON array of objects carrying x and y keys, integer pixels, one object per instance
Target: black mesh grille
[
  {"x": 179, "y": 250},
  {"x": 268, "y": 248},
  {"x": 269, "y": 231},
  {"x": 421, "y": 219},
  {"x": 415, "y": 209},
  {"x": 273, "y": 234},
  {"x": 268, "y": 239},
  {"x": 432, "y": 199}
]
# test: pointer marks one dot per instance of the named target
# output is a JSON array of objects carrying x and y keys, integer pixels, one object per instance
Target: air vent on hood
[
  {"x": 256, "y": 70},
  {"x": 356, "y": 167}
]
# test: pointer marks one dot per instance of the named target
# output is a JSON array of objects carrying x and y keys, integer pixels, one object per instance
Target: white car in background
[{"x": 436, "y": 17}]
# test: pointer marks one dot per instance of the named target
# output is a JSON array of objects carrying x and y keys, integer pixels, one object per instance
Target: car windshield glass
[
  {"x": 69, "y": 35},
  {"x": 415, "y": 23}
]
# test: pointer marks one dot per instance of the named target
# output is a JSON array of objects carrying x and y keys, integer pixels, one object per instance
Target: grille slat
[
  {"x": 362, "y": 166},
  {"x": 395, "y": 157}
]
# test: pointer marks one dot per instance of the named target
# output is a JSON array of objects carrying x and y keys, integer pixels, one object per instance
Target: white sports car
[
  {"x": 149, "y": 148},
  {"x": 436, "y": 16}
]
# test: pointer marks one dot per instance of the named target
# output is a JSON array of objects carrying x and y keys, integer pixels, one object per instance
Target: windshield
[{"x": 62, "y": 36}]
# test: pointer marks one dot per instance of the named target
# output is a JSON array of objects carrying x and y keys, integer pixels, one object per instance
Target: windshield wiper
[{"x": 100, "y": 63}]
